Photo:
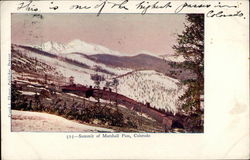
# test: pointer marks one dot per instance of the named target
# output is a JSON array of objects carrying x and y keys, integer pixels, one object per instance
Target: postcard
[{"x": 125, "y": 79}]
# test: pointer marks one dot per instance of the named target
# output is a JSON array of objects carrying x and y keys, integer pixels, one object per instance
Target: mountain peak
[
  {"x": 77, "y": 45},
  {"x": 53, "y": 47},
  {"x": 147, "y": 53}
]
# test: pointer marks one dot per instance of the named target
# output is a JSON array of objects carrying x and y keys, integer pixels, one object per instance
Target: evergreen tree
[
  {"x": 15, "y": 96},
  {"x": 115, "y": 83},
  {"x": 190, "y": 45}
]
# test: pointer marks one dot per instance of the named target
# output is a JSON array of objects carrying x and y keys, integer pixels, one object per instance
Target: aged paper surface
[{"x": 226, "y": 85}]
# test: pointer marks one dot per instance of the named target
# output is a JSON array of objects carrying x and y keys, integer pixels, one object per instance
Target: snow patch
[
  {"x": 28, "y": 93},
  {"x": 173, "y": 58}
]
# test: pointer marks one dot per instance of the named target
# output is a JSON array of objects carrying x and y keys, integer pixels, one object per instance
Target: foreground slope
[{"x": 44, "y": 122}]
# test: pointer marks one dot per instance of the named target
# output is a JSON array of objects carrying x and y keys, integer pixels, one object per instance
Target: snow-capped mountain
[
  {"x": 80, "y": 46},
  {"x": 88, "y": 48},
  {"x": 53, "y": 47},
  {"x": 76, "y": 46},
  {"x": 160, "y": 90}
]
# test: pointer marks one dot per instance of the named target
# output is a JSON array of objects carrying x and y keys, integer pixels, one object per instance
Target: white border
[{"x": 226, "y": 101}]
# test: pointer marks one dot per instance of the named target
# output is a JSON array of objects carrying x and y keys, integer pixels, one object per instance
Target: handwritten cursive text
[{"x": 28, "y": 6}]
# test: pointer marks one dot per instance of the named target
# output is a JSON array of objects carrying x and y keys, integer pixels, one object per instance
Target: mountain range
[
  {"x": 76, "y": 46},
  {"x": 81, "y": 51},
  {"x": 142, "y": 77}
]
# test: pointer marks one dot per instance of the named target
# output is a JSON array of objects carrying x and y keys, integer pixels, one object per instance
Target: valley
[{"x": 38, "y": 77}]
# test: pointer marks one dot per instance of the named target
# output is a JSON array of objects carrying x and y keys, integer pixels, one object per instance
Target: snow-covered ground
[
  {"x": 44, "y": 122},
  {"x": 92, "y": 64},
  {"x": 173, "y": 58},
  {"x": 150, "y": 86},
  {"x": 81, "y": 75}
]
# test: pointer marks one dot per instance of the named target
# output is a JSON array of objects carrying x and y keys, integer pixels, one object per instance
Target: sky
[{"x": 126, "y": 33}]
